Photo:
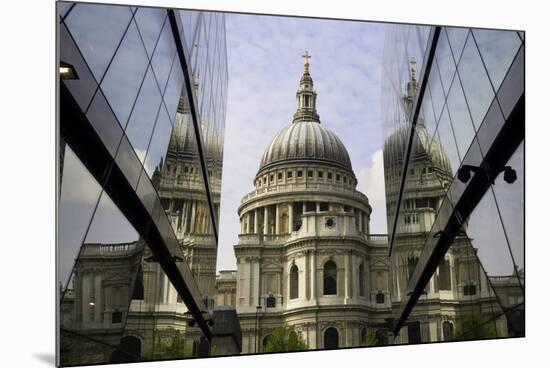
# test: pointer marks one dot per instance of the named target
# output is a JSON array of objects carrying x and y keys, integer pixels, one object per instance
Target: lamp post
[{"x": 258, "y": 307}]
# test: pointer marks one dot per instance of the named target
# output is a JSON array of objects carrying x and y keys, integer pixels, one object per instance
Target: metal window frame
[
  {"x": 79, "y": 133},
  {"x": 505, "y": 142}
]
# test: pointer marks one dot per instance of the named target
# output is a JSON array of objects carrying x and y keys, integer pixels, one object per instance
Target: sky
[{"x": 265, "y": 66}]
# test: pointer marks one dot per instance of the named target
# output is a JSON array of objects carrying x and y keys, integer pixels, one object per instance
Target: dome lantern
[{"x": 306, "y": 96}]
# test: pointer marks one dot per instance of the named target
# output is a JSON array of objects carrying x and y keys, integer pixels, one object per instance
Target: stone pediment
[
  {"x": 377, "y": 261},
  {"x": 271, "y": 265},
  {"x": 118, "y": 278}
]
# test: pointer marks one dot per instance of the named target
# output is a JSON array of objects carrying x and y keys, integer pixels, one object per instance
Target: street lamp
[{"x": 258, "y": 307}]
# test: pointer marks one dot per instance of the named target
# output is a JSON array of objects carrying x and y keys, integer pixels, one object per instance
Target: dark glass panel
[
  {"x": 125, "y": 75},
  {"x": 498, "y": 49},
  {"x": 84, "y": 87},
  {"x": 128, "y": 162},
  {"x": 491, "y": 126},
  {"x": 97, "y": 30},
  {"x": 104, "y": 122},
  {"x": 514, "y": 84},
  {"x": 156, "y": 154}
]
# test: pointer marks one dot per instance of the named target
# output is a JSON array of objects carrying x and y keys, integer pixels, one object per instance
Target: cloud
[
  {"x": 370, "y": 181},
  {"x": 265, "y": 65}
]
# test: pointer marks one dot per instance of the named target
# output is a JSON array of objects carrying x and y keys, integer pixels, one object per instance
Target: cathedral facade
[{"x": 306, "y": 256}]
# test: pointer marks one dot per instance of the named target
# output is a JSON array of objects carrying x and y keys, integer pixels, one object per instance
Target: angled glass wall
[
  {"x": 142, "y": 101},
  {"x": 454, "y": 169}
]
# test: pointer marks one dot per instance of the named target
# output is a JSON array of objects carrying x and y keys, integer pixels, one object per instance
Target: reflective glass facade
[
  {"x": 142, "y": 102},
  {"x": 453, "y": 114}
]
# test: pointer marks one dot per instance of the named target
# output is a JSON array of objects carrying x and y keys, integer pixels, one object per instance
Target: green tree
[
  {"x": 475, "y": 326},
  {"x": 370, "y": 338},
  {"x": 169, "y": 344},
  {"x": 285, "y": 338}
]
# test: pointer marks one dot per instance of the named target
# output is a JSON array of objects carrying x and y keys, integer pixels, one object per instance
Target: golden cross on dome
[{"x": 306, "y": 57}]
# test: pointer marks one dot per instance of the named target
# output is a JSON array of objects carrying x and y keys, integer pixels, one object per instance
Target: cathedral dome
[
  {"x": 395, "y": 145},
  {"x": 306, "y": 141}
]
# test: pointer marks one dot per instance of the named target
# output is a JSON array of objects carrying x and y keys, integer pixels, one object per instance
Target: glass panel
[
  {"x": 477, "y": 87},
  {"x": 97, "y": 30},
  {"x": 189, "y": 21},
  {"x": 445, "y": 62},
  {"x": 428, "y": 113},
  {"x": 104, "y": 122},
  {"x": 149, "y": 22},
  {"x": 94, "y": 309},
  {"x": 84, "y": 87},
  {"x": 125, "y": 75},
  {"x": 174, "y": 89},
  {"x": 514, "y": 84},
  {"x": 128, "y": 162},
  {"x": 436, "y": 90},
  {"x": 164, "y": 55},
  {"x": 491, "y": 126},
  {"x": 511, "y": 205},
  {"x": 498, "y": 49},
  {"x": 447, "y": 141},
  {"x": 63, "y": 8},
  {"x": 79, "y": 196},
  {"x": 143, "y": 116},
  {"x": 460, "y": 117},
  {"x": 156, "y": 153},
  {"x": 457, "y": 38}
]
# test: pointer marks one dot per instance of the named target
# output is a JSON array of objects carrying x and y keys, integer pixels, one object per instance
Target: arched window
[
  {"x": 448, "y": 331},
  {"x": 331, "y": 338},
  {"x": 361, "y": 280},
  {"x": 293, "y": 282},
  {"x": 329, "y": 278},
  {"x": 444, "y": 275}
]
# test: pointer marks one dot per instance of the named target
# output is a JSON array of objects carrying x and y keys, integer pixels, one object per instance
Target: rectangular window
[
  {"x": 299, "y": 173},
  {"x": 289, "y": 174},
  {"x": 116, "y": 317},
  {"x": 323, "y": 206},
  {"x": 186, "y": 169},
  {"x": 310, "y": 174},
  {"x": 337, "y": 177},
  {"x": 280, "y": 176},
  {"x": 329, "y": 176},
  {"x": 320, "y": 175},
  {"x": 271, "y": 178},
  {"x": 380, "y": 298},
  {"x": 310, "y": 207},
  {"x": 470, "y": 289},
  {"x": 345, "y": 179}
]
